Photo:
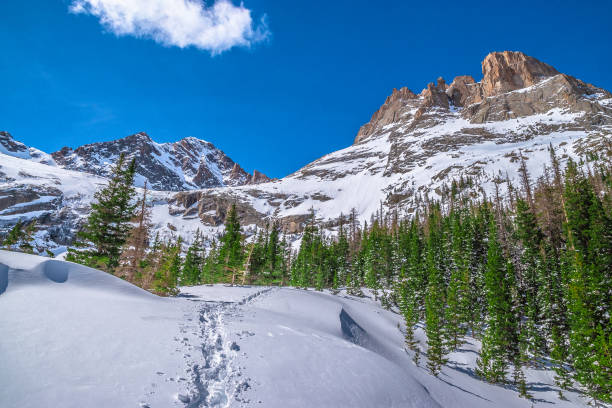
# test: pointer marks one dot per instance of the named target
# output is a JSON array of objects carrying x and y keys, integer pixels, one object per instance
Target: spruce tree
[
  {"x": 132, "y": 261},
  {"x": 500, "y": 334},
  {"x": 168, "y": 268},
  {"x": 108, "y": 224},
  {"x": 230, "y": 251},
  {"x": 193, "y": 263},
  {"x": 458, "y": 286},
  {"x": 589, "y": 234},
  {"x": 434, "y": 299}
]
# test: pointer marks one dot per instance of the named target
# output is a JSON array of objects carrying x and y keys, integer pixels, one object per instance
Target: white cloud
[{"x": 182, "y": 23}]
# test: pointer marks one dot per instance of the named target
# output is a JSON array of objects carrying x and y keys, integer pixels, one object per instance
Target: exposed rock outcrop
[
  {"x": 12, "y": 147},
  {"x": 510, "y": 70},
  {"x": 387, "y": 113}
]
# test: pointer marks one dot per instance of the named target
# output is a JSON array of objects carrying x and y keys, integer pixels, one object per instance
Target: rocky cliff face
[
  {"x": 184, "y": 165},
  {"x": 413, "y": 147}
]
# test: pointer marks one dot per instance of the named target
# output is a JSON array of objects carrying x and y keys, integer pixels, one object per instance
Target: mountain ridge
[
  {"x": 410, "y": 151},
  {"x": 189, "y": 163}
]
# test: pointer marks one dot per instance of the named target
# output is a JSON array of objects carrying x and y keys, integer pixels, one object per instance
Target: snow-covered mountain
[
  {"x": 417, "y": 144},
  {"x": 188, "y": 164},
  {"x": 414, "y": 146},
  {"x": 14, "y": 148}
]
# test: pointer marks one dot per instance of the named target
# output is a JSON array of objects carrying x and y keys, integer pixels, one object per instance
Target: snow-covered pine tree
[{"x": 20, "y": 237}]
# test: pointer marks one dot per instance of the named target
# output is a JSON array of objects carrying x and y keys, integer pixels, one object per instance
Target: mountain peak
[
  {"x": 140, "y": 137},
  {"x": 503, "y": 72},
  {"x": 511, "y": 70},
  {"x": 10, "y": 146},
  {"x": 187, "y": 164}
]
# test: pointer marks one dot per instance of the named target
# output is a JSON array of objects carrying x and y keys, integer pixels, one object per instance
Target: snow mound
[
  {"x": 85, "y": 337},
  {"x": 23, "y": 270}
]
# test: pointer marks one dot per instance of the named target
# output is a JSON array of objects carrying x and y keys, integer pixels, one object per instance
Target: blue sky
[{"x": 296, "y": 81}]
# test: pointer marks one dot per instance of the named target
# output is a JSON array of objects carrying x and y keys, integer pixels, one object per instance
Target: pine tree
[
  {"x": 413, "y": 281},
  {"x": 434, "y": 300},
  {"x": 533, "y": 276},
  {"x": 168, "y": 268},
  {"x": 230, "y": 251},
  {"x": 458, "y": 286},
  {"x": 498, "y": 344},
  {"x": 589, "y": 235},
  {"x": 108, "y": 224},
  {"x": 273, "y": 249},
  {"x": 132, "y": 261},
  {"x": 20, "y": 237},
  {"x": 193, "y": 263}
]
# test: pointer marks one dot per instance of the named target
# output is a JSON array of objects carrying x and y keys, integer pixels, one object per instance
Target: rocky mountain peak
[
  {"x": 489, "y": 99},
  {"x": 511, "y": 70},
  {"x": 11, "y": 145},
  {"x": 258, "y": 178},
  {"x": 187, "y": 164},
  {"x": 462, "y": 89},
  {"x": 434, "y": 95},
  {"x": 387, "y": 113}
]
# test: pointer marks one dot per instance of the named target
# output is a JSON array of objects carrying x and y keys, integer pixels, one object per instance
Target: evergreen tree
[
  {"x": 193, "y": 263},
  {"x": 20, "y": 237},
  {"x": 533, "y": 277},
  {"x": 230, "y": 251},
  {"x": 273, "y": 249},
  {"x": 132, "y": 261},
  {"x": 589, "y": 235},
  {"x": 168, "y": 267},
  {"x": 434, "y": 300},
  {"x": 108, "y": 224},
  {"x": 413, "y": 280},
  {"x": 458, "y": 287},
  {"x": 499, "y": 342}
]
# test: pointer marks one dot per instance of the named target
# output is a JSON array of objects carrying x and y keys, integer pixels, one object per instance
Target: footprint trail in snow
[{"x": 214, "y": 378}]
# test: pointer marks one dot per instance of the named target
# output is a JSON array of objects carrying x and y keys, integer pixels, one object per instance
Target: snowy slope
[
  {"x": 74, "y": 336},
  {"x": 59, "y": 200},
  {"x": 365, "y": 175}
]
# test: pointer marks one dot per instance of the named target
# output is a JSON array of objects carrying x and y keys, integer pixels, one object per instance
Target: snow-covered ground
[{"x": 72, "y": 336}]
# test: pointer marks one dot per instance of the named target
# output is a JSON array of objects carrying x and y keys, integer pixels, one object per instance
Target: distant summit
[
  {"x": 188, "y": 164},
  {"x": 12, "y": 147}
]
